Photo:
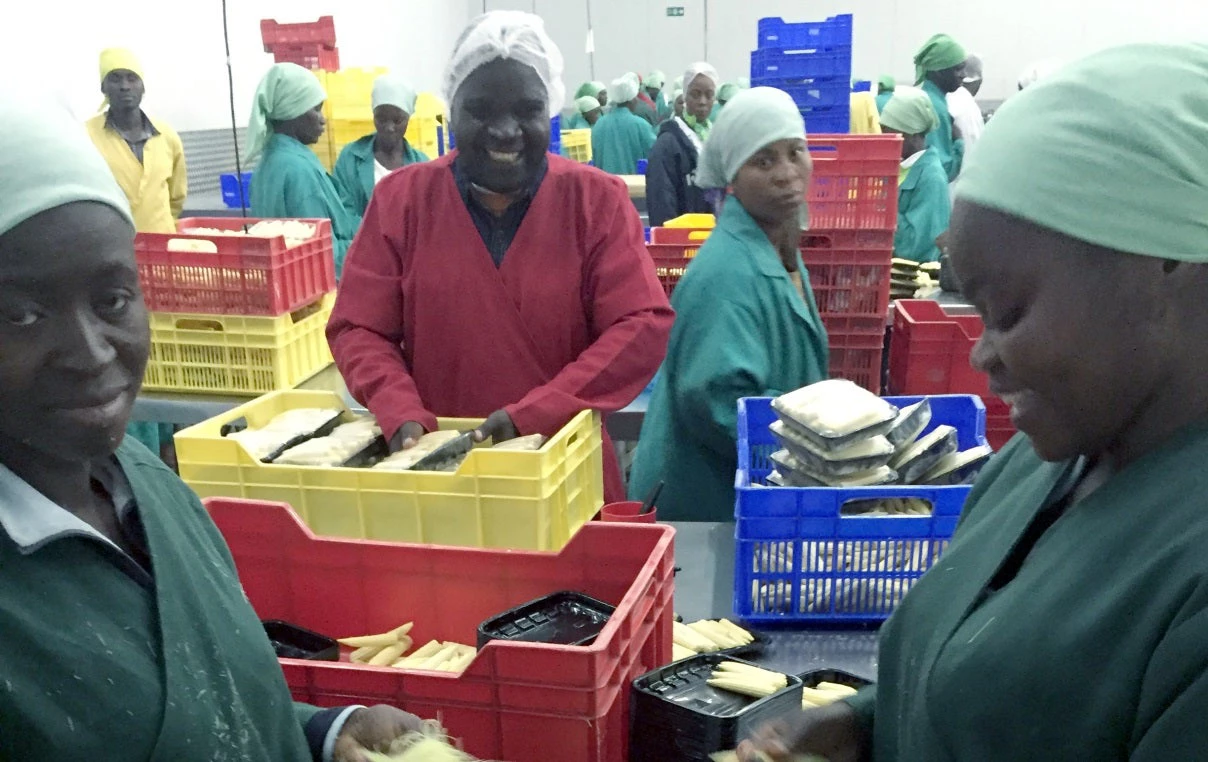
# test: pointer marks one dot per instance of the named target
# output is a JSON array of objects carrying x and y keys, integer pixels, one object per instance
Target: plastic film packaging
[
  {"x": 862, "y": 455},
  {"x": 909, "y": 424},
  {"x": 835, "y": 414},
  {"x": 919, "y": 458},
  {"x": 403, "y": 460},
  {"x": 958, "y": 468}
]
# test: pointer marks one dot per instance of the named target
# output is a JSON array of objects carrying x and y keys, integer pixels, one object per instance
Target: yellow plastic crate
[
  {"x": 576, "y": 145},
  {"x": 496, "y": 499},
  {"x": 692, "y": 220},
  {"x": 237, "y": 355},
  {"x": 350, "y": 93},
  {"x": 345, "y": 131},
  {"x": 423, "y": 134}
]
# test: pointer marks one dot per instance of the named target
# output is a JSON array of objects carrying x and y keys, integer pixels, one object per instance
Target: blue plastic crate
[
  {"x": 785, "y": 64},
  {"x": 812, "y": 35},
  {"x": 230, "y": 190},
  {"x": 818, "y": 93},
  {"x": 555, "y": 137},
  {"x": 828, "y": 121},
  {"x": 861, "y": 86},
  {"x": 784, "y": 535}
]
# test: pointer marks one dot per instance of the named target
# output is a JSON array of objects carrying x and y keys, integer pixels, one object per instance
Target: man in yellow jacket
[{"x": 145, "y": 155}]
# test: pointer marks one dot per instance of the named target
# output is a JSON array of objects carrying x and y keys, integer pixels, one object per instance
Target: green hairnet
[
  {"x": 728, "y": 91},
  {"x": 48, "y": 161},
  {"x": 390, "y": 90},
  {"x": 286, "y": 92},
  {"x": 910, "y": 112},
  {"x": 755, "y": 118},
  {"x": 655, "y": 79},
  {"x": 1101, "y": 153},
  {"x": 939, "y": 53},
  {"x": 586, "y": 104},
  {"x": 887, "y": 82},
  {"x": 743, "y": 83},
  {"x": 590, "y": 88}
]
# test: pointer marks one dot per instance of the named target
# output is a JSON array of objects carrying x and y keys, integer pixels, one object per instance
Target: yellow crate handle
[{"x": 199, "y": 324}]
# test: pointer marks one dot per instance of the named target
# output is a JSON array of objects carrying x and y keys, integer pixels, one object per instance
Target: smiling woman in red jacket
[{"x": 499, "y": 281}]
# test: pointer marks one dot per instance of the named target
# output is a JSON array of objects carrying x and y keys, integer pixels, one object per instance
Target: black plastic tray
[
  {"x": 293, "y": 642},
  {"x": 566, "y": 618},
  {"x": 676, "y": 716},
  {"x": 815, "y": 676}
]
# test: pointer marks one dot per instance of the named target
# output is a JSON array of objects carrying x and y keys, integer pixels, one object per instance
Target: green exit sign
[{"x": 675, "y": 10}]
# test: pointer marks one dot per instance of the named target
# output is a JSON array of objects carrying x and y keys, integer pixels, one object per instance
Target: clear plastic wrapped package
[
  {"x": 909, "y": 424},
  {"x": 404, "y": 460},
  {"x": 285, "y": 431},
  {"x": 919, "y": 458},
  {"x": 958, "y": 468},
  {"x": 835, "y": 414},
  {"x": 862, "y": 455},
  {"x": 530, "y": 443}
]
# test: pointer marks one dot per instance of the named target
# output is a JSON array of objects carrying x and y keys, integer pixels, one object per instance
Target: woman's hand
[
  {"x": 406, "y": 437},
  {"x": 498, "y": 428},
  {"x": 373, "y": 729},
  {"x": 832, "y": 732}
]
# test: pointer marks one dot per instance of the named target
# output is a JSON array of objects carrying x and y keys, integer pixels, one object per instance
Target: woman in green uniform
[
  {"x": 746, "y": 322},
  {"x": 1068, "y": 619},
  {"x": 587, "y": 113},
  {"x": 126, "y": 633},
  {"x": 364, "y": 162},
  {"x": 621, "y": 138},
  {"x": 924, "y": 203},
  {"x": 287, "y": 117}
]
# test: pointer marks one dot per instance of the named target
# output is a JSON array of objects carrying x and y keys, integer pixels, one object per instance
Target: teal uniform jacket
[
  {"x": 924, "y": 210},
  {"x": 741, "y": 330},
  {"x": 1096, "y": 649},
  {"x": 576, "y": 121},
  {"x": 666, "y": 108},
  {"x": 882, "y": 99},
  {"x": 290, "y": 182},
  {"x": 100, "y": 665},
  {"x": 951, "y": 151},
  {"x": 619, "y": 140},
  {"x": 354, "y": 172}
]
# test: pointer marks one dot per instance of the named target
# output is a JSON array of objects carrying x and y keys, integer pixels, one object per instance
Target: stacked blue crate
[{"x": 810, "y": 61}]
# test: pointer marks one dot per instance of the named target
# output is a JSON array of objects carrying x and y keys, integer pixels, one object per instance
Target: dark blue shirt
[{"x": 497, "y": 230}]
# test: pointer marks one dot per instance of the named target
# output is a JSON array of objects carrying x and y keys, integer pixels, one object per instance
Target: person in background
[
  {"x": 939, "y": 67},
  {"x": 621, "y": 138},
  {"x": 364, "y": 163},
  {"x": 128, "y": 635},
  {"x": 746, "y": 321},
  {"x": 587, "y": 112},
  {"x": 863, "y": 118},
  {"x": 670, "y": 175},
  {"x": 147, "y": 159},
  {"x": 725, "y": 94},
  {"x": 597, "y": 90},
  {"x": 924, "y": 205},
  {"x": 679, "y": 102},
  {"x": 287, "y": 117},
  {"x": 885, "y": 88},
  {"x": 966, "y": 114},
  {"x": 1076, "y": 584},
  {"x": 533, "y": 299},
  {"x": 656, "y": 88},
  {"x": 644, "y": 106}
]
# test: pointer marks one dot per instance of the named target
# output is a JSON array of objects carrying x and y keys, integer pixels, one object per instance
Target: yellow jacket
[
  {"x": 864, "y": 119},
  {"x": 156, "y": 188}
]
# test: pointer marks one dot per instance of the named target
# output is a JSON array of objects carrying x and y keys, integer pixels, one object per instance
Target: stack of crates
[
  {"x": 311, "y": 45},
  {"x": 576, "y": 145},
  {"x": 235, "y": 314},
  {"x": 810, "y": 61}
]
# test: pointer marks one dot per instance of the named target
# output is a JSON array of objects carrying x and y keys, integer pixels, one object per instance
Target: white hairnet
[
  {"x": 697, "y": 69},
  {"x": 586, "y": 103},
  {"x": 507, "y": 34},
  {"x": 48, "y": 161},
  {"x": 753, "y": 119},
  {"x": 389, "y": 90},
  {"x": 622, "y": 90}
]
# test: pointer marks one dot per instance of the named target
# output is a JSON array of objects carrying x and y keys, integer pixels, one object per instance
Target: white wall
[
  {"x": 182, "y": 49},
  {"x": 1008, "y": 34}
]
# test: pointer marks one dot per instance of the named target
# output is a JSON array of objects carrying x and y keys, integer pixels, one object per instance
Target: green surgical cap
[
  {"x": 910, "y": 112},
  {"x": 1109, "y": 150},
  {"x": 286, "y": 92},
  {"x": 48, "y": 161},
  {"x": 728, "y": 91},
  {"x": 939, "y": 53},
  {"x": 754, "y": 119},
  {"x": 389, "y": 90},
  {"x": 590, "y": 88},
  {"x": 887, "y": 82},
  {"x": 655, "y": 79}
]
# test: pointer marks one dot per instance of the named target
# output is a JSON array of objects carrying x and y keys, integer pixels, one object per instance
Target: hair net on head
[
  {"x": 973, "y": 68},
  {"x": 287, "y": 91},
  {"x": 622, "y": 90},
  {"x": 1099, "y": 152},
  {"x": 511, "y": 35},
  {"x": 696, "y": 70},
  {"x": 48, "y": 161},
  {"x": 113, "y": 59},
  {"x": 938, "y": 53},
  {"x": 389, "y": 90},
  {"x": 656, "y": 79},
  {"x": 586, "y": 103},
  {"x": 910, "y": 112},
  {"x": 728, "y": 91},
  {"x": 590, "y": 88},
  {"x": 886, "y": 82},
  {"x": 755, "y": 118}
]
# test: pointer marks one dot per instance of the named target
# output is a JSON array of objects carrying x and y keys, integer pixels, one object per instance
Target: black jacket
[{"x": 670, "y": 169}]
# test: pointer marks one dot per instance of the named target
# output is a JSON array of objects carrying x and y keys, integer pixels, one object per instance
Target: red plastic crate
[
  {"x": 999, "y": 428},
  {"x": 849, "y": 270},
  {"x": 517, "y": 701},
  {"x": 855, "y": 181},
  {"x": 308, "y": 56},
  {"x": 321, "y": 33},
  {"x": 248, "y": 276},
  {"x": 857, "y": 345}
]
